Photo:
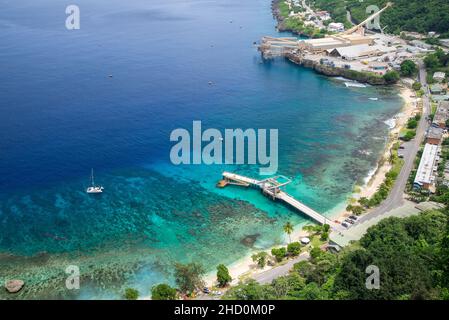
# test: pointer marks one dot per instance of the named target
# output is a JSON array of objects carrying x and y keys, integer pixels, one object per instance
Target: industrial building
[
  {"x": 360, "y": 51},
  {"x": 434, "y": 135},
  {"x": 436, "y": 89},
  {"x": 439, "y": 76},
  {"x": 335, "y": 41},
  {"x": 428, "y": 166},
  {"x": 441, "y": 115},
  {"x": 336, "y": 27}
]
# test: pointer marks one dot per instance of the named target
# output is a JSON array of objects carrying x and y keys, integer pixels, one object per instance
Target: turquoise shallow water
[{"x": 61, "y": 115}]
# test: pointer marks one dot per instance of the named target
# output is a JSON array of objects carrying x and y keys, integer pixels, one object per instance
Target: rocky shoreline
[
  {"x": 280, "y": 19},
  {"x": 329, "y": 71}
]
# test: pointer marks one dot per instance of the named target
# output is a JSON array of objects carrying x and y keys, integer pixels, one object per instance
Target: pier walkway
[{"x": 271, "y": 187}]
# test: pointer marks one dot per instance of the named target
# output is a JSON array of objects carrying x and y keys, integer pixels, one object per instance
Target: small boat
[
  {"x": 374, "y": 99},
  {"x": 93, "y": 188}
]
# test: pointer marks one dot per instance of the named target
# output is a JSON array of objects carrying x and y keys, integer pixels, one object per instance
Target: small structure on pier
[{"x": 272, "y": 186}]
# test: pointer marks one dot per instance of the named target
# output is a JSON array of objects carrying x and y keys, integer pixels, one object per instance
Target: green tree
[
  {"x": 189, "y": 277},
  {"x": 315, "y": 253},
  {"x": 281, "y": 286},
  {"x": 412, "y": 124},
  {"x": 408, "y": 68},
  {"x": 391, "y": 77},
  {"x": 288, "y": 229},
  {"x": 409, "y": 135},
  {"x": 417, "y": 86},
  {"x": 131, "y": 294},
  {"x": 249, "y": 290},
  {"x": 357, "y": 210},
  {"x": 260, "y": 258},
  {"x": 279, "y": 253},
  {"x": 223, "y": 276},
  {"x": 431, "y": 61},
  {"x": 163, "y": 292},
  {"x": 444, "y": 257},
  {"x": 325, "y": 236},
  {"x": 364, "y": 202},
  {"x": 294, "y": 248}
]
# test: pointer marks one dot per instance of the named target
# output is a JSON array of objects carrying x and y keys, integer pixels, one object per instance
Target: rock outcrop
[
  {"x": 14, "y": 286},
  {"x": 337, "y": 72}
]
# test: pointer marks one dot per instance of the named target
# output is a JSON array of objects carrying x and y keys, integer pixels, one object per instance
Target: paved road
[
  {"x": 310, "y": 10},
  {"x": 265, "y": 277},
  {"x": 268, "y": 276},
  {"x": 396, "y": 196}
]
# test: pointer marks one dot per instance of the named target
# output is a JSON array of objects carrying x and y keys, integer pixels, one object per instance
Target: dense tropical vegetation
[
  {"x": 405, "y": 15},
  {"x": 163, "y": 292},
  {"x": 295, "y": 24},
  {"x": 438, "y": 61},
  {"x": 223, "y": 276},
  {"x": 412, "y": 256},
  {"x": 131, "y": 294}
]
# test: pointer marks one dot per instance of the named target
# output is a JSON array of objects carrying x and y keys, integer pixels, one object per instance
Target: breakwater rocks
[{"x": 330, "y": 71}]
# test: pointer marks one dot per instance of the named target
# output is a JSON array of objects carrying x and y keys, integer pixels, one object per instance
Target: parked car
[
  {"x": 344, "y": 224},
  {"x": 206, "y": 290},
  {"x": 353, "y": 218},
  {"x": 350, "y": 221}
]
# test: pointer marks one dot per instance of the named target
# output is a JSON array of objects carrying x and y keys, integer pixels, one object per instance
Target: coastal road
[
  {"x": 268, "y": 276},
  {"x": 265, "y": 277},
  {"x": 411, "y": 148},
  {"x": 310, "y": 10},
  {"x": 306, "y": 7}
]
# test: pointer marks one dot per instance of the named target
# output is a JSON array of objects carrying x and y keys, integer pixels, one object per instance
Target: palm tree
[{"x": 288, "y": 229}]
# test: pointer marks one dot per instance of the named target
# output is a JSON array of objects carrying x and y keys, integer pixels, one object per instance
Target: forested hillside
[
  {"x": 412, "y": 255},
  {"x": 405, "y": 15}
]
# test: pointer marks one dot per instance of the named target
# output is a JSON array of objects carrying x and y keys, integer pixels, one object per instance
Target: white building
[
  {"x": 360, "y": 51},
  {"x": 428, "y": 166},
  {"x": 439, "y": 76},
  {"x": 310, "y": 24},
  {"x": 336, "y": 27},
  {"x": 444, "y": 42},
  {"x": 323, "y": 15}
]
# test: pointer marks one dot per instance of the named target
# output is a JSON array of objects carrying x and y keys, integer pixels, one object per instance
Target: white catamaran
[{"x": 94, "y": 188}]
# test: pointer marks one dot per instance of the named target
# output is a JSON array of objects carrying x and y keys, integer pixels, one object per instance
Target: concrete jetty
[{"x": 271, "y": 187}]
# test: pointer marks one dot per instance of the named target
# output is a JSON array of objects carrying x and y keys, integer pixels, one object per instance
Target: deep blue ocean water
[{"x": 61, "y": 114}]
